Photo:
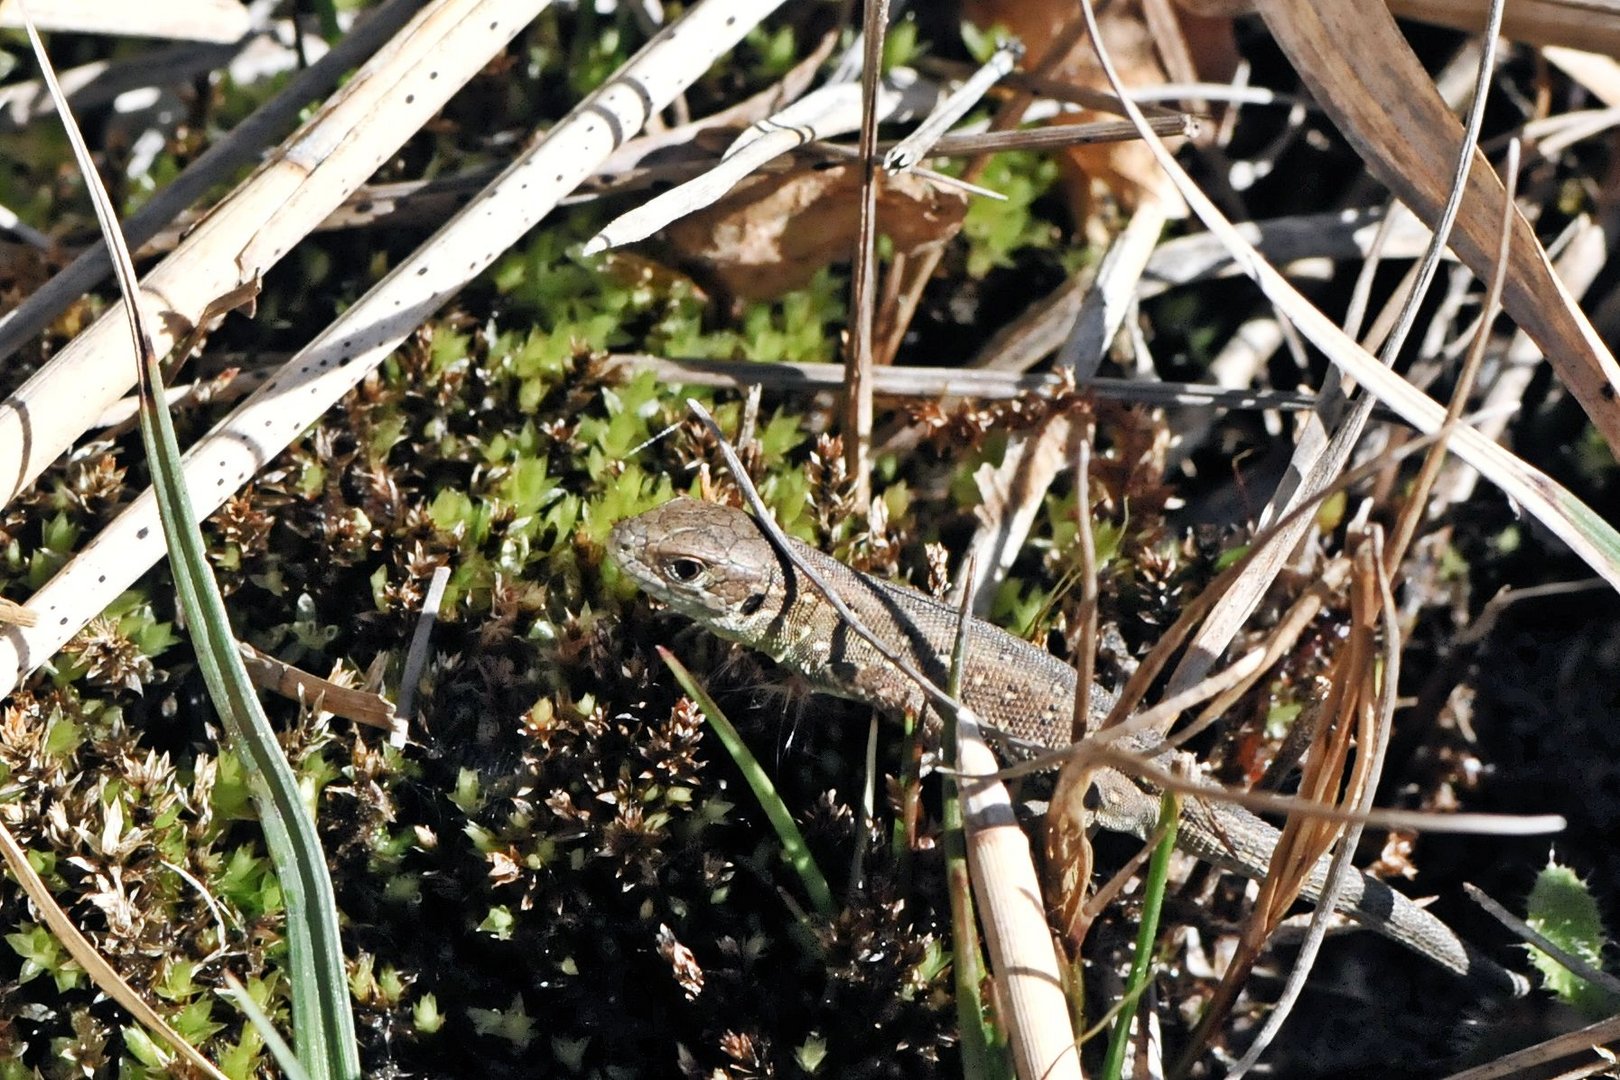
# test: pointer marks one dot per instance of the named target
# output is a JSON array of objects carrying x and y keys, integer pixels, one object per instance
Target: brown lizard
[{"x": 717, "y": 566}]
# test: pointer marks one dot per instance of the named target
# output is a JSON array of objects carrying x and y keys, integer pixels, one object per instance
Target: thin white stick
[
  {"x": 914, "y": 147},
  {"x": 832, "y": 110},
  {"x": 416, "y": 659},
  {"x": 342, "y": 355},
  {"x": 1014, "y": 915}
]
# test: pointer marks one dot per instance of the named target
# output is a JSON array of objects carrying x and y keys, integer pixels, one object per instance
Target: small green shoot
[
  {"x": 794, "y": 849},
  {"x": 1562, "y": 909},
  {"x": 285, "y": 1058},
  {"x": 1158, "y": 877}
]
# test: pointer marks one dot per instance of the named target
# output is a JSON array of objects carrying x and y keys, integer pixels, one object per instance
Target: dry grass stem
[
  {"x": 863, "y": 289},
  {"x": 1371, "y": 692},
  {"x": 224, "y": 157},
  {"x": 254, "y": 227},
  {"x": 1014, "y": 917},
  {"x": 965, "y": 382},
  {"x": 325, "y": 695}
]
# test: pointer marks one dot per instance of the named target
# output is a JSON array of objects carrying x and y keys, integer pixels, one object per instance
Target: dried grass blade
[
  {"x": 1113, "y": 294},
  {"x": 1599, "y": 74},
  {"x": 1587, "y": 534},
  {"x": 1374, "y": 680},
  {"x": 1392, "y": 114},
  {"x": 416, "y": 657},
  {"x": 1014, "y": 916}
]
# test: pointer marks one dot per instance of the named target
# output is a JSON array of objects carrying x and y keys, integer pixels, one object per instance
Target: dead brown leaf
[
  {"x": 1575, "y": 24},
  {"x": 773, "y": 232}
]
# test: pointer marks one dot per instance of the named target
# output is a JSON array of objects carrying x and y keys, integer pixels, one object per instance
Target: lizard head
[{"x": 709, "y": 562}]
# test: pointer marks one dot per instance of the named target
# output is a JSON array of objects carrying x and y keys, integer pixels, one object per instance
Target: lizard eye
[{"x": 685, "y": 570}]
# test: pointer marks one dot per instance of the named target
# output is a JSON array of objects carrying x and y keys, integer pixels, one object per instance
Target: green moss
[
  {"x": 997, "y": 229},
  {"x": 42, "y": 954}
]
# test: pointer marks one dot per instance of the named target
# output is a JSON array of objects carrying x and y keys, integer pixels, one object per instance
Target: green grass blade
[
  {"x": 285, "y": 1058},
  {"x": 323, "y": 1024},
  {"x": 794, "y": 849},
  {"x": 1158, "y": 877}
]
